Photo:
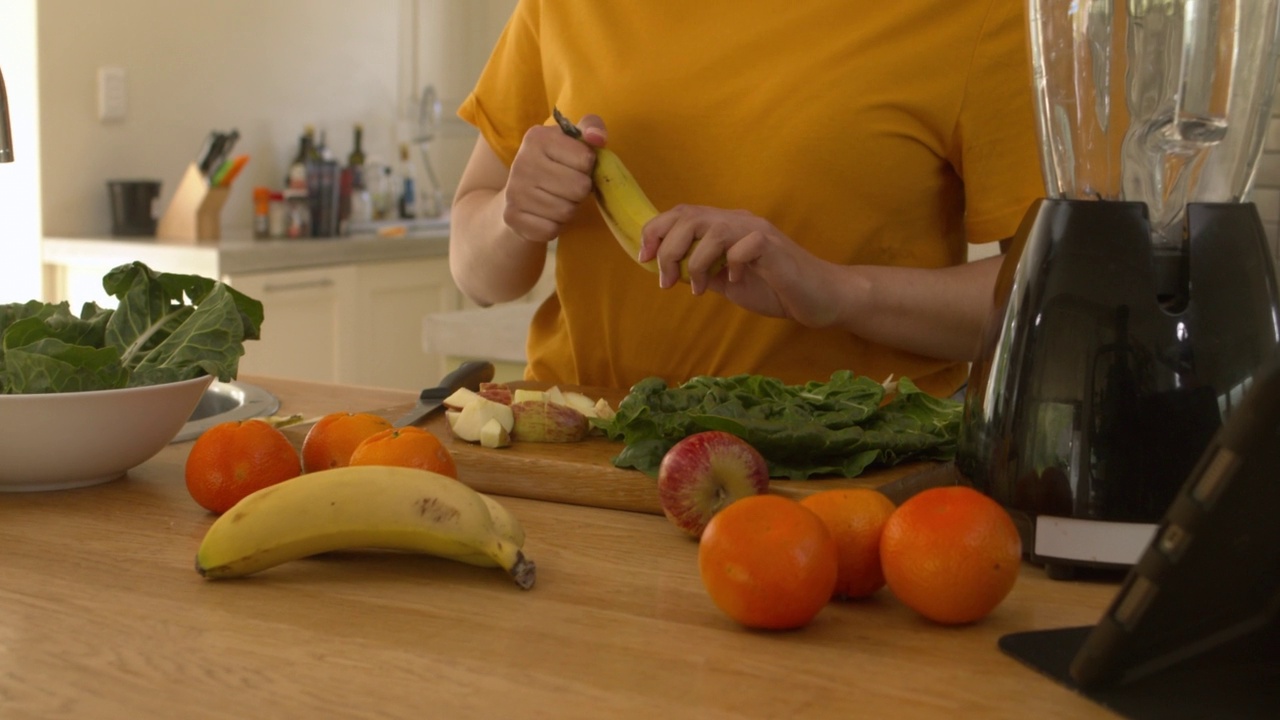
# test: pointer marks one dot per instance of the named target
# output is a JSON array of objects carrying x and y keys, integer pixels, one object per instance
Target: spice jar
[
  {"x": 261, "y": 212},
  {"x": 298, "y": 223},
  {"x": 277, "y": 216}
]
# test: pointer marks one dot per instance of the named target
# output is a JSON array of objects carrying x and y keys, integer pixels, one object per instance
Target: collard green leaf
[
  {"x": 840, "y": 427},
  {"x": 165, "y": 327}
]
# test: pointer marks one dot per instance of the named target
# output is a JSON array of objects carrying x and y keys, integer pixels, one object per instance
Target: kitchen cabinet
[
  {"x": 356, "y": 324},
  {"x": 305, "y": 315}
]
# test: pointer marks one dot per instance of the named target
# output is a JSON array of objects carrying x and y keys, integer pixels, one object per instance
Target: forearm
[
  {"x": 489, "y": 262},
  {"x": 934, "y": 312}
]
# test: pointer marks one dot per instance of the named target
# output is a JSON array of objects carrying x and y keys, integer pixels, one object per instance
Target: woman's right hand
[{"x": 550, "y": 176}]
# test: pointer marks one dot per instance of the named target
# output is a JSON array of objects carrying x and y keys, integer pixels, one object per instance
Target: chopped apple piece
[
  {"x": 604, "y": 410},
  {"x": 542, "y": 421},
  {"x": 459, "y": 398},
  {"x": 523, "y": 394},
  {"x": 553, "y": 394},
  {"x": 478, "y": 412},
  {"x": 496, "y": 391},
  {"x": 494, "y": 435},
  {"x": 580, "y": 402}
]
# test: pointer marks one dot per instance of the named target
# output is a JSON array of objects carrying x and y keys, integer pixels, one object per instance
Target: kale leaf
[
  {"x": 166, "y": 327},
  {"x": 840, "y": 427}
]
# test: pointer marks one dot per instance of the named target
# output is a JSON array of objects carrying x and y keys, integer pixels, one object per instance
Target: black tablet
[
  {"x": 1211, "y": 574},
  {"x": 1194, "y": 629}
]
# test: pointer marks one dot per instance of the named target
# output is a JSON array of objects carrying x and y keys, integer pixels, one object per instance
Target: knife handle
[{"x": 467, "y": 375}]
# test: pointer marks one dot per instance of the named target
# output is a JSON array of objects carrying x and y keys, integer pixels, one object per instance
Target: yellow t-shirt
[{"x": 884, "y": 133}]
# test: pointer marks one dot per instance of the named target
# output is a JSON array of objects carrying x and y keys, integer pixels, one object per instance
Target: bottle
[
  {"x": 355, "y": 160},
  {"x": 313, "y": 151},
  {"x": 322, "y": 148},
  {"x": 297, "y": 175},
  {"x": 408, "y": 193}
]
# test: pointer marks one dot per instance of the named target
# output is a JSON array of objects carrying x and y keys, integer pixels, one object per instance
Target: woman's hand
[
  {"x": 766, "y": 272},
  {"x": 549, "y": 177}
]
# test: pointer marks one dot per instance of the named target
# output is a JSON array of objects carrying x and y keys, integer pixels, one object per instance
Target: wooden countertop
[{"x": 102, "y": 616}]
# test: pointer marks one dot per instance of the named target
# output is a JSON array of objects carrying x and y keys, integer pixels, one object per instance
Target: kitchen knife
[
  {"x": 469, "y": 375},
  {"x": 904, "y": 488}
]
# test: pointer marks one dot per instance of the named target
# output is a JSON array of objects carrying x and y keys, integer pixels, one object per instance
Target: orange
[
  {"x": 855, "y": 517},
  {"x": 768, "y": 562},
  {"x": 330, "y": 442},
  {"x": 951, "y": 554},
  {"x": 407, "y": 446},
  {"x": 235, "y": 458}
]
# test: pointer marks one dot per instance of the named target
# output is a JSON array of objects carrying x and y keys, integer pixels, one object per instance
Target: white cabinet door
[
  {"x": 307, "y": 314},
  {"x": 392, "y": 299}
]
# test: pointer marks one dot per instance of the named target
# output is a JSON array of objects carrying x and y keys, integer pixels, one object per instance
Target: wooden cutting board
[{"x": 582, "y": 473}]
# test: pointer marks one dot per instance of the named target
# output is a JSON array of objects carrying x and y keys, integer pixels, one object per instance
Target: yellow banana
[
  {"x": 393, "y": 508},
  {"x": 623, "y": 204}
]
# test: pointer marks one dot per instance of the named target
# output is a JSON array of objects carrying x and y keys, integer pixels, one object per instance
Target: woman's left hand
[{"x": 766, "y": 272}]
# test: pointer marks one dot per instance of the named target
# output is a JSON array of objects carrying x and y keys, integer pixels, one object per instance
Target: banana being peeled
[
  {"x": 623, "y": 204},
  {"x": 391, "y": 508}
]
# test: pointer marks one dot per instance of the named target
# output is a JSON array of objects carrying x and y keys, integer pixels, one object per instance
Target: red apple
[{"x": 705, "y": 472}]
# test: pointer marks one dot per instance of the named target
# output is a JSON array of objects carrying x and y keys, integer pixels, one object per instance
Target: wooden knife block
[{"x": 194, "y": 214}]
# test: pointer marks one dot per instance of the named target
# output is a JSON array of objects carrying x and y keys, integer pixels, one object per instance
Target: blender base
[{"x": 1107, "y": 366}]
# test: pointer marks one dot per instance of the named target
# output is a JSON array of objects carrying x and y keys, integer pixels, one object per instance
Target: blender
[{"x": 1139, "y": 297}]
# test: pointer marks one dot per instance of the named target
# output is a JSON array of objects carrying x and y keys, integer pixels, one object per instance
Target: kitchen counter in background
[
  {"x": 353, "y": 310},
  {"x": 239, "y": 255}
]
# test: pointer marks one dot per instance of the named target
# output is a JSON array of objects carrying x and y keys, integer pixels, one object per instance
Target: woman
[{"x": 882, "y": 137}]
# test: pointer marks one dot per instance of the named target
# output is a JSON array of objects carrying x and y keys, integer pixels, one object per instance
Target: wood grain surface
[
  {"x": 102, "y": 617},
  {"x": 580, "y": 473}
]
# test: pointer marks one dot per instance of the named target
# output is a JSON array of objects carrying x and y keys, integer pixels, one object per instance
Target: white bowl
[{"x": 55, "y": 441}]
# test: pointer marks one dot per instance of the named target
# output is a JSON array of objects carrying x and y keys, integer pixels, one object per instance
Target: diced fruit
[
  {"x": 497, "y": 392},
  {"x": 553, "y": 394},
  {"x": 459, "y": 398},
  {"x": 523, "y": 394},
  {"x": 604, "y": 410},
  {"x": 580, "y": 402},
  {"x": 542, "y": 421},
  {"x": 494, "y": 435},
  {"x": 470, "y": 419}
]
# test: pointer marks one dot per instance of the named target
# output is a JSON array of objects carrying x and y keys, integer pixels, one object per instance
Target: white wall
[
  {"x": 265, "y": 68},
  {"x": 20, "y": 180}
]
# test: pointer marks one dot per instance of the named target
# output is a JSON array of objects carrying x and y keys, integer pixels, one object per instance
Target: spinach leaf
[
  {"x": 165, "y": 327},
  {"x": 840, "y": 427}
]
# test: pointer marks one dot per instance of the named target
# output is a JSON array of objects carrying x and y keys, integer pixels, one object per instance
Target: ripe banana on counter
[
  {"x": 391, "y": 508},
  {"x": 623, "y": 204}
]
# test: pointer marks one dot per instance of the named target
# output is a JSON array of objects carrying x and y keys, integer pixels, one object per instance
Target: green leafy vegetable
[
  {"x": 840, "y": 427},
  {"x": 166, "y": 327}
]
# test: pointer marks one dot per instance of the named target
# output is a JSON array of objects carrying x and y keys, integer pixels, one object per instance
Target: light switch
[{"x": 112, "y": 94}]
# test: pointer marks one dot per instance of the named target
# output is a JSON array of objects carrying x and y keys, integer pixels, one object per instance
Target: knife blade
[
  {"x": 902, "y": 489},
  {"x": 469, "y": 375}
]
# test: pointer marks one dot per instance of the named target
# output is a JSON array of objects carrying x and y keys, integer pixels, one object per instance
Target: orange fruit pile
[
  {"x": 235, "y": 458},
  {"x": 768, "y": 562},
  {"x": 406, "y": 446},
  {"x": 330, "y": 442},
  {"x": 230, "y": 460},
  {"x": 950, "y": 554},
  {"x": 855, "y": 517}
]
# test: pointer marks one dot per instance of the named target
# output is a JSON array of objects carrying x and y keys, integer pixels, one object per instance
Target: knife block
[{"x": 194, "y": 214}]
